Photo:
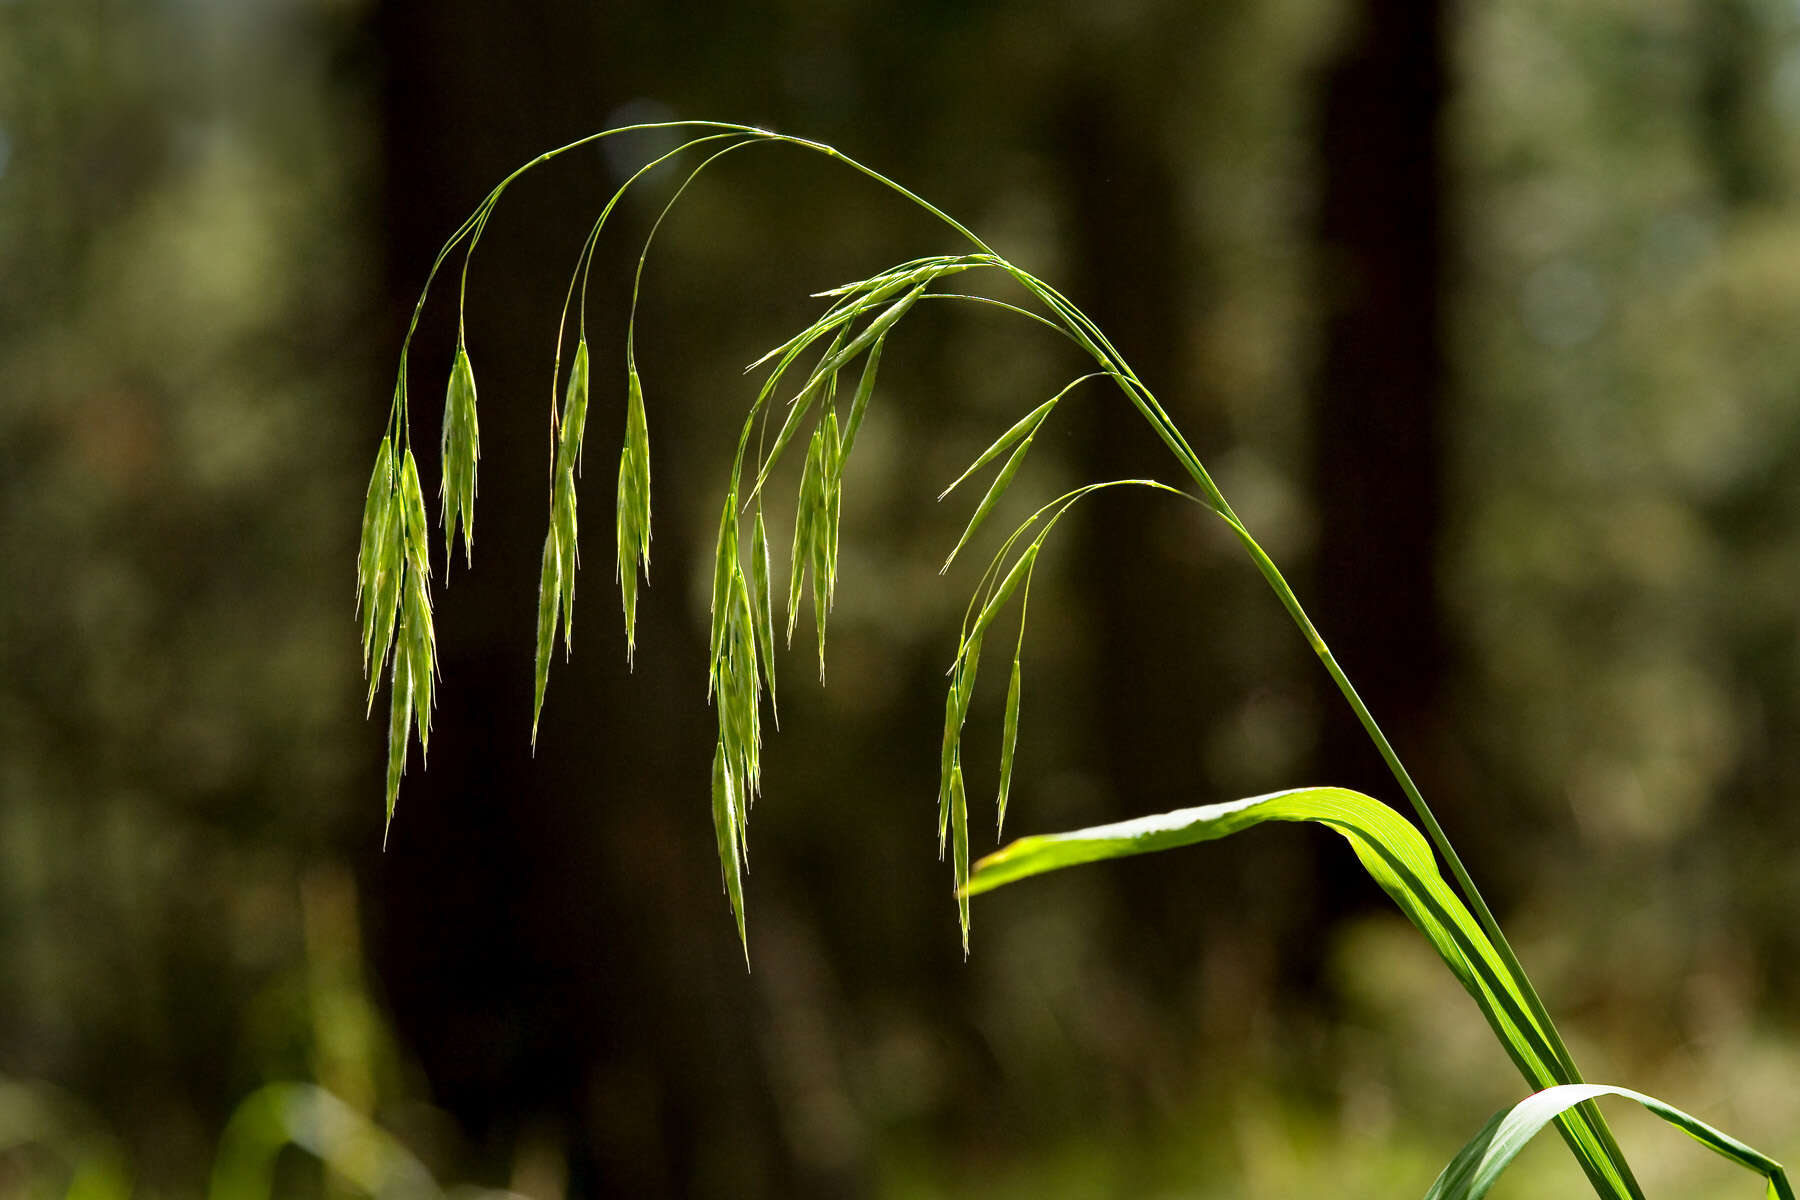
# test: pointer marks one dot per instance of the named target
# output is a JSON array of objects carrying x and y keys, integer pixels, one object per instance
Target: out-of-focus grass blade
[
  {"x": 1397, "y": 856},
  {"x": 1479, "y": 1164},
  {"x": 280, "y": 1115},
  {"x": 549, "y": 596}
]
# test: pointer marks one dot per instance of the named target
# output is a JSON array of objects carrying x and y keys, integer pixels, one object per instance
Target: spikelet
[
  {"x": 725, "y": 830},
  {"x": 375, "y": 509},
  {"x": 418, "y": 642},
  {"x": 1009, "y": 739},
  {"x": 762, "y": 605},
  {"x": 400, "y": 713},
  {"x": 959, "y": 849},
  {"x": 563, "y": 522},
  {"x": 549, "y": 597},
  {"x": 412, "y": 512},
  {"x": 461, "y": 451},
  {"x": 380, "y": 561},
  {"x": 633, "y": 510}
]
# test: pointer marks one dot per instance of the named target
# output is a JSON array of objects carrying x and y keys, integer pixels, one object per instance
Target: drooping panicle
[
  {"x": 399, "y": 610},
  {"x": 734, "y": 685}
]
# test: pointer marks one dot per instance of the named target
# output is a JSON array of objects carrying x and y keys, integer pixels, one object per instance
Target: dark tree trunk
[{"x": 1378, "y": 400}]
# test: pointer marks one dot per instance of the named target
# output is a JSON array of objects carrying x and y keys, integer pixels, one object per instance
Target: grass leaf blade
[
  {"x": 1479, "y": 1164},
  {"x": 1397, "y": 856}
]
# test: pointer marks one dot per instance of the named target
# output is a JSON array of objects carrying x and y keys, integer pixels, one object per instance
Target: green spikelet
[
  {"x": 763, "y": 604},
  {"x": 400, "y": 712},
  {"x": 375, "y": 510},
  {"x": 725, "y": 831},
  {"x": 574, "y": 414},
  {"x": 419, "y": 644},
  {"x": 563, "y": 521},
  {"x": 549, "y": 596},
  {"x": 633, "y": 510},
  {"x": 461, "y": 453},
  {"x": 959, "y": 849},
  {"x": 1009, "y": 738},
  {"x": 383, "y": 591}
]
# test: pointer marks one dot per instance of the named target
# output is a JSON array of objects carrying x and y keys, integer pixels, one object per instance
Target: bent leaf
[
  {"x": 1479, "y": 1164},
  {"x": 1398, "y": 858}
]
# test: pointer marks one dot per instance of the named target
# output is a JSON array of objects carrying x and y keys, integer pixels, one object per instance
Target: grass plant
[{"x": 800, "y": 403}]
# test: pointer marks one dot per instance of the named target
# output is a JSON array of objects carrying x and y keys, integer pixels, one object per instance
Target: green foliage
[
  {"x": 1478, "y": 1165},
  {"x": 856, "y": 323}
]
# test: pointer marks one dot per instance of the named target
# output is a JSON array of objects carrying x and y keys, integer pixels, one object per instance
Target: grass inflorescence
[{"x": 801, "y": 399}]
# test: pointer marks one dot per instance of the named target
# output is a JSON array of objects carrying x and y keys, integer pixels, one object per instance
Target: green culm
[{"x": 394, "y": 606}]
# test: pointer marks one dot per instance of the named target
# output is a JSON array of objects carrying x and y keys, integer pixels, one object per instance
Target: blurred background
[{"x": 1483, "y": 315}]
